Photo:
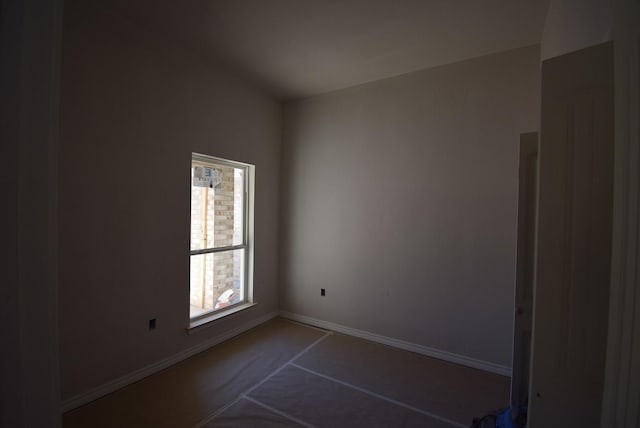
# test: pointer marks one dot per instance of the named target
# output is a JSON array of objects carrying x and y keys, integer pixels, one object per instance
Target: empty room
[{"x": 358, "y": 213}]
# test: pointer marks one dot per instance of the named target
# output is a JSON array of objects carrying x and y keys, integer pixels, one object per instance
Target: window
[{"x": 221, "y": 249}]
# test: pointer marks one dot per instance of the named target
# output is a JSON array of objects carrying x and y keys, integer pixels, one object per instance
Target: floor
[{"x": 284, "y": 374}]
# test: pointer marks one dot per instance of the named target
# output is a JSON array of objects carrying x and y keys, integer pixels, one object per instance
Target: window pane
[
  {"x": 217, "y": 205},
  {"x": 217, "y": 281}
]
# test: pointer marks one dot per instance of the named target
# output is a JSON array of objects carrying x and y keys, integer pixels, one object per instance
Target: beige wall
[
  {"x": 572, "y": 25},
  {"x": 134, "y": 107},
  {"x": 400, "y": 199}
]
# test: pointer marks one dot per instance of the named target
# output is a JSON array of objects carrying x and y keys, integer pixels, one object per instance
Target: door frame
[
  {"x": 525, "y": 264},
  {"x": 622, "y": 377},
  {"x": 30, "y": 54}
]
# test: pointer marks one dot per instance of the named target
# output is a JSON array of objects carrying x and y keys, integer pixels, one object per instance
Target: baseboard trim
[
  {"x": 114, "y": 385},
  {"x": 401, "y": 344}
]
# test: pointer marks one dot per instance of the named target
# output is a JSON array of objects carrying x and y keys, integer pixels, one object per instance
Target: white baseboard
[
  {"x": 401, "y": 344},
  {"x": 109, "y": 387}
]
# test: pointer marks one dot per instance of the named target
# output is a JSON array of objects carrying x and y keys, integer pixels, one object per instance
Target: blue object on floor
[
  {"x": 504, "y": 420},
  {"x": 509, "y": 417}
]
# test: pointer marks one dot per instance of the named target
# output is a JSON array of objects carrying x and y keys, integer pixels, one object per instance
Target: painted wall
[
  {"x": 134, "y": 107},
  {"x": 572, "y": 25},
  {"x": 400, "y": 198}
]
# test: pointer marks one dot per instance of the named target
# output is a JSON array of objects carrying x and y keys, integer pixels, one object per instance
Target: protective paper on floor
[
  {"x": 448, "y": 390},
  {"x": 193, "y": 390},
  {"x": 187, "y": 393},
  {"x": 324, "y": 403},
  {"x": 245, "y": 414}
]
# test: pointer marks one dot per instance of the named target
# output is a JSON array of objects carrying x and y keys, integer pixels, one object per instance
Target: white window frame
[{"x": 247, "y": 241}]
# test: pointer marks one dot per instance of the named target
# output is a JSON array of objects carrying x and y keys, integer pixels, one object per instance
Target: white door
[{"x": 574, "y": 239}]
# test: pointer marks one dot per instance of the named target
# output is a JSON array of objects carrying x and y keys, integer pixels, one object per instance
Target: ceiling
[{"x": 298, "y": 48}]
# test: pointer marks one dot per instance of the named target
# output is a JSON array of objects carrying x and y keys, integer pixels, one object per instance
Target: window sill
[{"x": 208, "y": 320}]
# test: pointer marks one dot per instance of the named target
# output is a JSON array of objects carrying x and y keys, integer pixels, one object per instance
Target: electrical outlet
[
  {"x": 152, "y": 324},
  {"x": 323, "y": 292}
]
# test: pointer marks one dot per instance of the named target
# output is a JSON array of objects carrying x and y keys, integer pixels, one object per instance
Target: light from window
[{"x": 220, "y": 246}]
